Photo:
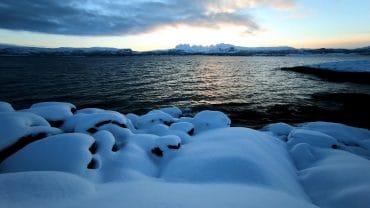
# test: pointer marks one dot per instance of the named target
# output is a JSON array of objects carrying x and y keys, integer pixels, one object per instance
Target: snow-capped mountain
[{"x": 227, "y": 48}]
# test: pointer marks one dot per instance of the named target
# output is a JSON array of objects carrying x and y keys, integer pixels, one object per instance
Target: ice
[
  {"x": 160, "y": 159},
  {"x": 6, "y": 107},
  {"x": 344, "y": 66}
]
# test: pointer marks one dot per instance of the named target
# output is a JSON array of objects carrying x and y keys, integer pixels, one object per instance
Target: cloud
[{"x": 115, "y": 17}]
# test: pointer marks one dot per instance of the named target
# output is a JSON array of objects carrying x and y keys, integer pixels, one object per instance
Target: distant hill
[
  {"x": 63, "y": 51},
  {"x": 181, "y": 49}
]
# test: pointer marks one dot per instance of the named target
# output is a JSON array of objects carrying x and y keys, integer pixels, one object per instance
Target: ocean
[{"x": 252, "y": 90}]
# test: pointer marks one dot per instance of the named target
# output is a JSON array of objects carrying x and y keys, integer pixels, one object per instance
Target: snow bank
[
  {"x": 344, "y": 66},
  {"x": 42, "y": 189},
  {"x": 161, "y": 194},
  {"x": 334, "y": 178},
  {"x": 162, "y": 159}
]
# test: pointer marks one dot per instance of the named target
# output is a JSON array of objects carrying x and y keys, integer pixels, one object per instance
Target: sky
[{"x": 162, "y": 24}]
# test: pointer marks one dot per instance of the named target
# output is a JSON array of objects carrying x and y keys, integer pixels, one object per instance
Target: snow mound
[
  {"x": 334, "y": 178},
  {"x": 234, "y": 155},
  {"x": 313, "y": 138},
  {"x": 63, "y": 152},
  {"x": 22, "y": 127},
  {"x": 54, "y": 112},
  {"x": 152, "y": 118},
  {"x": 344, "y": 66},
  {"x": 6, "y": 107},
  {"x": 172, "y": 111},
  {"x": 161, "y": 159},
  {"x": 90, "y": 123},
  {"x": 207, "y": 120}
]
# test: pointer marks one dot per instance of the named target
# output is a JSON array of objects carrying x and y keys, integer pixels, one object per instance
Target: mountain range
[{"x": 181, "y": 49}]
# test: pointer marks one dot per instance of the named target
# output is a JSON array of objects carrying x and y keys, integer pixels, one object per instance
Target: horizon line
[{"x": 191, "y": 45}]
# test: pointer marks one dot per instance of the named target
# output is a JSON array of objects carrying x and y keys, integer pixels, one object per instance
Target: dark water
[{"x": 250, "y": 89}]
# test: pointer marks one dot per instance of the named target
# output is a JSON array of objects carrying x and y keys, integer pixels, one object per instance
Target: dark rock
[
  {"x": 93, "y": 148},
  {"x": 331, "y": 75},
  {"x": 19, "y": 144},
  {"x": 157, "y": 151},
  {"x": 119, "y": 124},
  {"x": 56, "y": 124},
  {"x": 73, "y": 110},
  {"x": 168, "y": 123},
  {"x": 102, "y": 123},
  {"x": 92, "y": 130},
  {"x": 191, "y": 132},
  {"x": 93, "y": 164},
  {"x": 115, "y": 148},
  {"x": 174, "y": 146}
]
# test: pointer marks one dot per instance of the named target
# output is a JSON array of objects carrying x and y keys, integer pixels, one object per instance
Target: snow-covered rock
[
  {"x": 172, "y": 111},
  {"x": 63, "y": 152},
  {"x": 152, "y": 118},
  {"x": 335, "y": 178},
  {"x": 23, "y": 128},
  {"x": 344, "y": 66},
  {"x": 54, "y": 112},
  {"x": 161, "y": 159},
  {"x": 207, "y": 120},
  {"x": 314, "y": 138},
  {"x": 6, "y": 107}
]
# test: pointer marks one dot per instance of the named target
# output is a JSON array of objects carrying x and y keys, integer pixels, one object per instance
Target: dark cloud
[{"x": 115, "y": 17}]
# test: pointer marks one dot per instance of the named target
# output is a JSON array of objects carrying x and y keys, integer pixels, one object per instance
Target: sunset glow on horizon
[{"x": 151, "y": 25}]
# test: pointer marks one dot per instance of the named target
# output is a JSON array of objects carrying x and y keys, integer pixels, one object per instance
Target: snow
[
  {"x": 42, "y": 188},
  {"x": 207, "y": 119},
  {"x": 337, "y": 179},
  {"x": 52, "y": 111},
  {"x": 6, "y": 107},
  {"x": 63, "y": 152},
  {"x": 15, "y": 125},
  {"x": 226, "y": 48},
  {"x": 313, "y": 138},
  {"x": 154, "y": 117},
  {"x": 160, "y": 159},
  {"x": 344, "y": 66},
  {"x": 173, "y": 111}
]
